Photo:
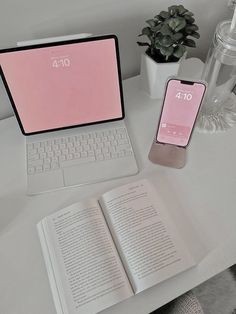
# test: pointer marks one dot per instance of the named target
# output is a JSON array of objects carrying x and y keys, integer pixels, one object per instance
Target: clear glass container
[{"x": 218, "y": 111}]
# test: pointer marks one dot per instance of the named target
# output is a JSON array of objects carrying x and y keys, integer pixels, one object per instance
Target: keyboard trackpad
[{"x": 45, "y": 181}]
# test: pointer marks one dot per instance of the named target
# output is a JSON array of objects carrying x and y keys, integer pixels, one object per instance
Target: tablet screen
[{"x": 54, "y": 86}]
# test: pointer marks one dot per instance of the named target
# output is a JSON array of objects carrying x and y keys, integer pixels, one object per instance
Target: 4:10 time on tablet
[{"x": 180, "y": 108}]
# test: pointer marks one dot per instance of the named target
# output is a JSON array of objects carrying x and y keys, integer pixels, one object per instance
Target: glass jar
[{"x": 218, "y": 111}]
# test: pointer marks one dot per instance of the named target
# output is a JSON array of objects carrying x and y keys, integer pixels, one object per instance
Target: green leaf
[
  {"x": 142, "y": 44},
  {"x": 146, "y": 31},
  {"x": 182, "y": 24},
  {"x": 159, "y": 36},
  {"x": 166, "y": 41},
  {"x": 164, "y": 14},
  {"x": 157, "y": 45},
  {"x": 179, "y": 51},
  {"x": 173, "y": 10},
  {"x": 177, "y": 23},
  {"x": 191, "y": 27},
  {"x": 166, "y": 51},
  {"x": 189, "y": 13},
  {"x": 157, "y": 28},
  {"x": 151, "y": 22},
  {"x": 182, "y": 9},
  {"x": 159, "y": 18},
  {"x": 177, "y": 36},
  {"x": 166, "y": 30},
  {"x": 195, "y": 35},
  {"x": 189, "y": 19},
  {"x": 173, "y": 23},
  {"x": 190, "y": 43}
]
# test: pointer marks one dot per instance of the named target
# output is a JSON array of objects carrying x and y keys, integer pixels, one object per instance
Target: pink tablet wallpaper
[
  {"x": 181, "y": 106},
  {"x": 54, "y": 87}
]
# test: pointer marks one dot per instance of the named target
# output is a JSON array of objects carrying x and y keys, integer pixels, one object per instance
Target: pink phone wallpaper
[
  {"x": 182, "y": 102},
  {"x": 54, "y": 87}
]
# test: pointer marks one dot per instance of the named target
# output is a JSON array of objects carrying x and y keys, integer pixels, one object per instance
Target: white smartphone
[{"x": 182, "y": 101}]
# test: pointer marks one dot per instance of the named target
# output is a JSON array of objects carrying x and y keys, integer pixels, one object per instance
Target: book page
[
  {"x": 88, "y": 272},
  {"x": 148, "y": 242}
]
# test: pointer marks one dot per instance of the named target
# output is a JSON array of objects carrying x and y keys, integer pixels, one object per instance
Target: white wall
[{"x": 30, "y": 19}]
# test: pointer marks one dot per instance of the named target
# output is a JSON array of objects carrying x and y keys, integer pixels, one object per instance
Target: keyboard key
[
  {"x": 36, "y": 145},
  {"x": 84, "y": 154},
  {"x": 42, "y": 155},
  {"x": 121, "y": 154},
  {"x": 58, "y": 153},
  {"x": 46, "y": 167},
  {"x": 77, "y": 155},
  {"x": 65, "y": 151},
  {"x": 30, "y": 146},
  {"x": 48, "y": 149},
  {"x": 32, "y": 152},
  {"x": 79, "y": 149},
  {"x": 91, "y": 141},
  {"x": 62, "y": 158},
  {"x": 86, "y": 147},
  {"x": 31, "y": 170},
  {"x": 71, "y": 139},
  {"x": 98, "y": 151},
  {"x": 107, "y": 144},
  {"x": 62, "y": 145},
  {"x": 91, "y": 153},
  {"x": 55, "y": 147},
  {"x": 107, "y": 156},
  {"x": 39, "y": 169},
  {"x": 74, "y": 162},
  {"x": 54, "y": 159},
  {"x": 38, "y": 162},
  {"x": 32, "y": 157},
  {"x": 128, "y": 153},
  {"x": 123, "y": 147},
  {"x": 54, "y": 165},
  {"x": 41, "y": 150},
  {"x": 100, "y": 157},
  {"x": 47, "y": 160},
  {"x": 72, "y": 150}
]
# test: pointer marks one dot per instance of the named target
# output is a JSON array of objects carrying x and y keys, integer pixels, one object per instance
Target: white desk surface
[{"x": 206, "y": 190}]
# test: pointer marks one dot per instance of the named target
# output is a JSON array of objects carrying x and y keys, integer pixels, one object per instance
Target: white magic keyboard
[{"x": 86, "y": 147}]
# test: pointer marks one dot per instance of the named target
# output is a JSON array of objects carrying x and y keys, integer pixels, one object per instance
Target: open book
[{"x": 100, "y": 252}]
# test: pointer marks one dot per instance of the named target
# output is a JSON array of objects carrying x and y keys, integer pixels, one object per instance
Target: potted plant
[{"x": 168, "y": 36}]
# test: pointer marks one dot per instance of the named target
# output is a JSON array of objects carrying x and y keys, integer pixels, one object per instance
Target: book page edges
[{"x": 57, "y": 296}]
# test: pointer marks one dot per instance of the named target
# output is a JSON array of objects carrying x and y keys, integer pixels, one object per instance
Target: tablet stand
[
  {"x": 52, "y": 39},
  {"x": 168, "y": 155}
]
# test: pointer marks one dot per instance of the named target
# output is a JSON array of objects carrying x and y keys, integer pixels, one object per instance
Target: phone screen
[{"x": 181, "y": 105}]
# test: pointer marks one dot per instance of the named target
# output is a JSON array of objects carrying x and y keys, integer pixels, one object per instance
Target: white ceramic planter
[{"x": 153, "y": 75}]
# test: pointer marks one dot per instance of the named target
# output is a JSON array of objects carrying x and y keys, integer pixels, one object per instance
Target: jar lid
[{"x": 226, "y": 37}]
